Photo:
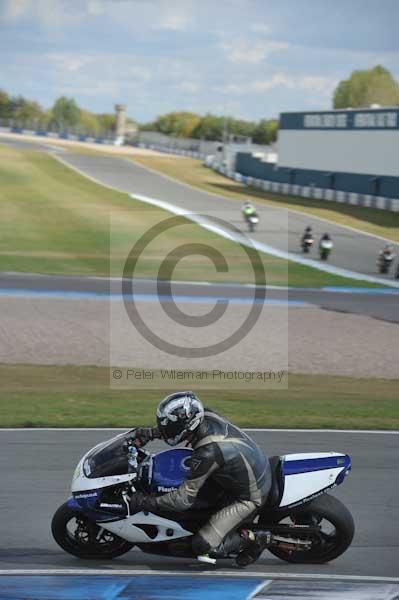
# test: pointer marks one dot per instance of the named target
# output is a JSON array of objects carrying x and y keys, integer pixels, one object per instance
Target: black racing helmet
[{"x": 178, "y": 415}]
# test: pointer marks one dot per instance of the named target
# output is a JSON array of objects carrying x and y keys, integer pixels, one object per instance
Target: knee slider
[{"x": 199, "y": 545}]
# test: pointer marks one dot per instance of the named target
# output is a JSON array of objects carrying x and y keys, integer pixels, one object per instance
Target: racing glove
[
  {"x": 143, "y": 435},
  {"x": 140, "y": 501}
]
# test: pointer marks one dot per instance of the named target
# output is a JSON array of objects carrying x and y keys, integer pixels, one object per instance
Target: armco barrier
[
  {"x": 353, "y": 188},
  {"x": 99, "y": 140},
  {"x": 365, "y": 200},
  {"x": 170, "y": 150},
  {"x": 64, "y": 135}
]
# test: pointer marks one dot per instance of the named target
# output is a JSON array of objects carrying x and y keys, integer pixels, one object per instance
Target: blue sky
[{"x": 248, "y": 58}]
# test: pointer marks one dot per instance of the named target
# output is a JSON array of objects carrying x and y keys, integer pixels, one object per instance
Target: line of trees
[
  {"x": 65, "y": 114},
  {"x": 362, "y": 88},
  {"x": 185, "y": 124}
]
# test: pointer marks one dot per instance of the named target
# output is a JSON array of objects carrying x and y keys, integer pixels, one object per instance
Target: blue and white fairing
[
  {"x": 169, "y": 469},
  {"x": 302, "y": 476},
  {"x": 103, "y": 466},
  {"x": 306, "y": 476}
]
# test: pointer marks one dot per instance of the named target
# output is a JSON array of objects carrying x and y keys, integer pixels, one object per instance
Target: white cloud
[
  {"x": 53, "y": 13},
  {"x": 108, "y": 89},
  {"x": 69, "y": 62},
  {"x": 176, "y": 22},
  {"x": 14, "y": 9},
  {"x": 243, "y": 50},
  {"x": 261, "y": 28},
  {"x": 319, "y": 85},
  {"x": 322, "y": 85},
  {"x": 173, "y": 16},
  {"x": 114, "y": 77},
  {"x": 190, "y": 87},
  {"x": 96, "y": 7}
]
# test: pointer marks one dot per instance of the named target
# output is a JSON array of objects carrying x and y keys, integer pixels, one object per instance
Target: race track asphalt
[
  {"x": 40, "y": 146},
  {"x": 379, "y": 304},
  {"x": 37, "y": 466},
  {"x": 278, "y": 228}
]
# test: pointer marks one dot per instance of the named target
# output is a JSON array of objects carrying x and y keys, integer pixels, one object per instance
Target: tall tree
[
  {"x": 26, "y": 112},
  {"x": 240, "y": 127},
  {"x": 66, "y": 113},
  {"x": 371, "y": 86},
  {"x": 88, "y": 123},
  {"x": 180, "y": 124},
  {"x": 107, "y": 122},
  {"x": 4, "y": 105},
  {"x": 210, "y": 127},
  {"x": 265, "y": 132}
]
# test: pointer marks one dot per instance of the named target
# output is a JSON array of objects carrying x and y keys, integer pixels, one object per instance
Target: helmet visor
[{"x": 172, "y": 432}]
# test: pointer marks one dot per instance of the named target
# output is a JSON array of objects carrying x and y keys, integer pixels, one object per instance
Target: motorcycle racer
[
  {"x": 386, "y": 257},
  {"x": 248, "y": 209},
  {"x": 223, "y": 456}
]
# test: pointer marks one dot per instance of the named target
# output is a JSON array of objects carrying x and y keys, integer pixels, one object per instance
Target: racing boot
[{"x": 253, "y": 544}]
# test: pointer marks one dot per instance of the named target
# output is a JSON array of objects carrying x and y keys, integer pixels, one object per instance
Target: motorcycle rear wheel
[
  {"x": 329, "y": 513},
  {"x": 79, "y": 536}
]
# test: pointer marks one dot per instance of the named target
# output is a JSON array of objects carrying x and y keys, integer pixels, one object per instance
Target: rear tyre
[
  {"x": 336, "y": 530},
  {"x": 83, "y": 538}
]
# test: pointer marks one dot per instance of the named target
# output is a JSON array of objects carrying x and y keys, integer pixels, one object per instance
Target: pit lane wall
[{"x": 349, "y": 156}]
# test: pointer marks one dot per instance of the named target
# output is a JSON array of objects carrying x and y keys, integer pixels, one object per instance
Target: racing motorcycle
[
  {"x": 385, "y": 261},
  {"x": 307, "y": 525},
  {"x": 307, "y": 242},
  {"x": 252, "y": 221},
  {"x": 325, "y": 248}
]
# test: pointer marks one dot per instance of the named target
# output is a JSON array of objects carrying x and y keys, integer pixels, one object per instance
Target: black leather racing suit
[{"x": 226, "y": 458}]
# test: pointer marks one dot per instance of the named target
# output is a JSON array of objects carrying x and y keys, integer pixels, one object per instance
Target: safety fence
[
  {"x": 62, "y": 135},
  {"x": 311, "y": 192},
  {"x": 171, "y": 150}
]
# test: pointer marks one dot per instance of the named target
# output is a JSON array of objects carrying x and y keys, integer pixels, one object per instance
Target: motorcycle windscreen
[
  {"x": 169, "y": 469},
  {"x": 107, "y": 460}
]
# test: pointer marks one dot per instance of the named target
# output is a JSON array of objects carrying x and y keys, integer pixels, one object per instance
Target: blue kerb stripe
[
  {"x": 108, "y": 587},
  {"x": 145, "y": 297},
  {"x": 290, "y": 467}
]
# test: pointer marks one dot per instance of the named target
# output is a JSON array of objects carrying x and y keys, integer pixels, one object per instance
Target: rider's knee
[{"x": 200, "y": 545}]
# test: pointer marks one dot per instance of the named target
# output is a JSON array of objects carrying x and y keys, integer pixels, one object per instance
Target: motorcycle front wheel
[
  {"x": 83, "y": 538},
  {"x": 336, "y": 531}
]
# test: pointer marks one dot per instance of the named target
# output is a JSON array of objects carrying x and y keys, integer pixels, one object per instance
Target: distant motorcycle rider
[
  {"x": 248, "y": 209},
  {"x": 224, "y": 457},
  {"x": 324, "y": 238},
  {"x": 307, "y": 235},
  {"x": 386, "y": 257},
  {"x": 307, "y": 239},
  {"x": 387, "y": 252}
]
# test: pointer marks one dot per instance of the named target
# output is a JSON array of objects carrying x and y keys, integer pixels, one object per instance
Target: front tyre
[
  {"x": 336, "y": 531},
  {"x": 83, "y": 538}
]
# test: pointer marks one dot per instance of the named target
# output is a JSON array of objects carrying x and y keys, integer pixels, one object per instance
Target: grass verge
[
  {"x": 69, "y": 396},
  {"x": 193, "y": 172},
  {"x": 53, "y": 220}
]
